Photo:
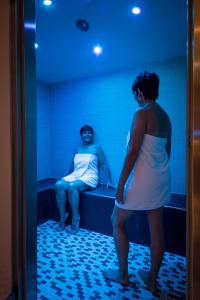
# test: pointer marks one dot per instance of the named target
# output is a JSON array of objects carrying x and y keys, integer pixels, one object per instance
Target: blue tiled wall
[
  {"x": 107, "y": 104},
  {"x": 43, "y": 131}
]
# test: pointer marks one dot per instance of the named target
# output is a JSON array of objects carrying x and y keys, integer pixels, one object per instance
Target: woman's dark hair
[
  {"x": 148, "y": 83},
  {"x": 86, "y": 128}
]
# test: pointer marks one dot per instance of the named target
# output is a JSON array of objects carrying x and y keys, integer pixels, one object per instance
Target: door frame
[
  {"x": 193, "y": 151},
  {"x": 23, "y": 133}
]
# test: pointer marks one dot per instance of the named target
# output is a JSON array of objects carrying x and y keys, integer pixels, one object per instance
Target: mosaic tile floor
[{"x": 71, "y": 267}]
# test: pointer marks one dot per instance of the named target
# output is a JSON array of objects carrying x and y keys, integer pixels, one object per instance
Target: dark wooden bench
[{"x": 96, "y": 208}]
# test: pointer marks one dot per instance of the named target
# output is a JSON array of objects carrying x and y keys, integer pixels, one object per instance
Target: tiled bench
[{"x": 96, "y": 208}]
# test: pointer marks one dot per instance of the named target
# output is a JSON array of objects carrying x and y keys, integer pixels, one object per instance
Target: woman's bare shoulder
[
  {"x": 140, "y": 115},
  {"x": 97, "y": 147}
]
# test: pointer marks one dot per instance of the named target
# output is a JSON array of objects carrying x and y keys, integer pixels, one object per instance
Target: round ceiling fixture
[
  {"x": 47, "y": 2},
  {"x": 136, "y": 10},
  {"x": 82, "y": 25}
]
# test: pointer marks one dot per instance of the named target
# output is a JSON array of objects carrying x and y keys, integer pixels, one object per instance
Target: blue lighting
[
  {"x": 136, "y": 10},
  {"x": 97, "y": 50},
  {"x": 47, "y": 2},
  {"x": 36, "y": 45},
  {"x": 31, "y": 26}
]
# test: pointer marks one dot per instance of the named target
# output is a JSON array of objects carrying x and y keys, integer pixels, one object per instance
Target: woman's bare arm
[
  {"x": 104, "y": 164},
  {"x": 71, "y": 168}
]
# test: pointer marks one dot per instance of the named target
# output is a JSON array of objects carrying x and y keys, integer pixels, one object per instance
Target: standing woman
[{"x": 144, "y": 182}]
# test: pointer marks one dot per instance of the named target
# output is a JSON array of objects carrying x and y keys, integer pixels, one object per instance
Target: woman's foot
[
  {"x": 114, "y": 275},
  {"x": 61, "y": 225},
  {"x": 75, "y": 224},
  {"x": 151, "y": 283},
  {"x": 71, "y": 230},
  {"x": 74, "y": 228}
]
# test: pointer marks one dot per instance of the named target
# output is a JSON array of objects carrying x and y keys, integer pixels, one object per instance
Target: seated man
[{"x": 88, "y": 158}]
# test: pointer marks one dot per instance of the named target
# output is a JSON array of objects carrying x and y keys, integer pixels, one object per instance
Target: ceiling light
[
  {"x": 82, "y": 25},
  {"x": 97, "y": 50},
  {"x": 36, "y": 45},
  {"x": 47, "y": 2},
  {"x": 136, "y": 10}
]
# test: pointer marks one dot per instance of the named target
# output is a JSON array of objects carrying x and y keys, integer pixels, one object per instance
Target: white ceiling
[{"x": 128, "y": 41}]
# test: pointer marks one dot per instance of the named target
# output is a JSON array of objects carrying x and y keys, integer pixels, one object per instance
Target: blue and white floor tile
[{"x": 71, "y": 267}]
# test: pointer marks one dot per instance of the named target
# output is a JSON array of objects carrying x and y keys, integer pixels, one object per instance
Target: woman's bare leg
[
  {"x": 61, "y": 187},
  {"x": 119, "y": 218},
  {"x": 155, "y": 219},
  {"x": 73, "y": 192}
]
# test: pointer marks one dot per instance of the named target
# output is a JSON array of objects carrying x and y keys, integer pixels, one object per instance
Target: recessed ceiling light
[
  {"x": 82, "y": 25},
  {"x": 47, "y": 2},
  {"x": 36, "y": 45},
  {"x": 97, "y": 50},
  {"x": 136, "y": 10}
]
